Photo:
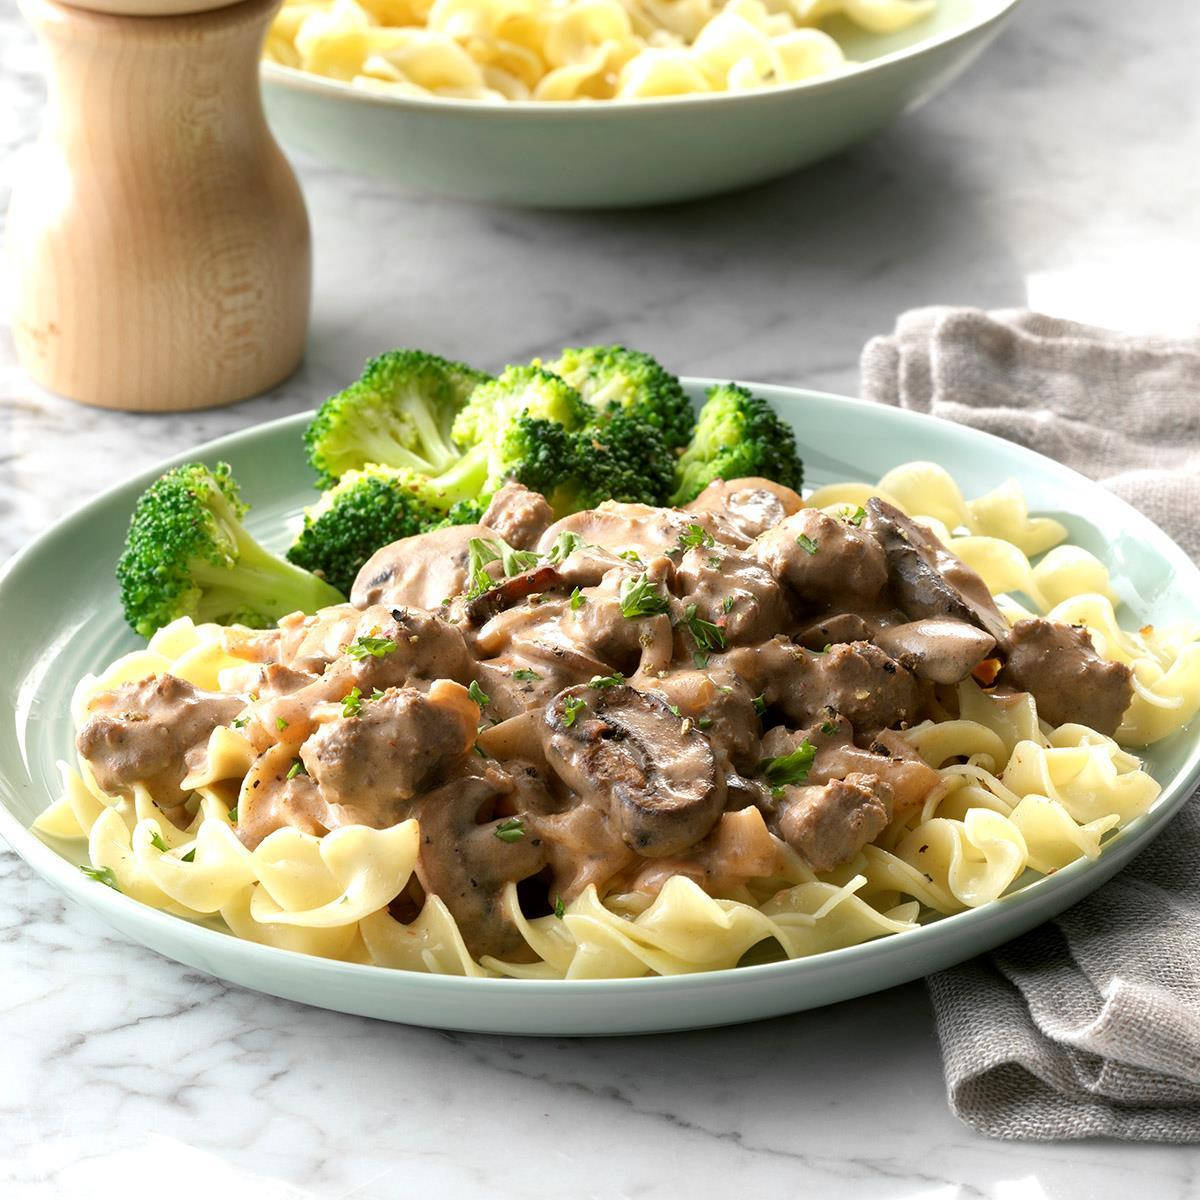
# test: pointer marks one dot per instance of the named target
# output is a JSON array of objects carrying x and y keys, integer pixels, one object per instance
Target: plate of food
[
  {"x": 584, "y": 700},
  {"x": 604, "y": 103}
]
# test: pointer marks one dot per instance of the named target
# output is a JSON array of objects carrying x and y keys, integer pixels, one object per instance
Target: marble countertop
[{"x": 1058, "y": 173}]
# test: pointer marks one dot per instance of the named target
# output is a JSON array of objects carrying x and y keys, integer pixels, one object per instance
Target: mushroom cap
[
  {"x": 626, "y": 752},
  {"x": 925, "y": 578}
]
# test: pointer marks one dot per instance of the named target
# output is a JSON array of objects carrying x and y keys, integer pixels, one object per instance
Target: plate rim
[
  {"x": 112, "y": 906},
  {"x": 292, "y": 79}
]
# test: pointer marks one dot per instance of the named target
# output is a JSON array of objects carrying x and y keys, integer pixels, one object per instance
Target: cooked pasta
[
  {"x": 1009, "y": 796},
  {"x": 500, "y": 50}
]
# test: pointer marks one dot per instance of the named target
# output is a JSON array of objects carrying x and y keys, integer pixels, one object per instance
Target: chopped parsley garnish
[
  {"x": 790, "y": 768},
  {"x": 102, "y": 875},
  {"x": 376, "y": 695},
  {"x": 828, "y": 726},
  {"x": 807, "y": 544},
  {"x": 190, "y": 856},
  {"x": 233, "y": 815},
  {"x": 512, "y": 830},
  {"x": 856, "y": 517},
  {"x": 157, "y": 842},
  {"x": 352, "y": 703},
  {"x": 640, "y": 598},
  {"x": 559, "y": 907},
  {"x": 297, "y": 768},
  {"x": 715, "y": 561},
  {"x": 673, "y": 709},
  {"x": 705, "y": 634},
  {"x": 607, "y": 681},
  {"x": 631, "y": 556},
  {"x": 482, "y": 551},
  {"x": 564, "y": 545},
  {"x": 695, "y": 536},
  {"x": 578, "y": 600},
  {"x": 727, "y": 604},
  {"x": 704, "y": 723},
  {"x": 280, "y": 724},
  {"x": 478, "y": 695},
  {"x": 700, "y": 659},
  {"x": 760, "y": 704},
  {"x": 240, "y": 722},
  {"x": 373, "y": 647},
  {"x": 572, "y": 707},
  {"x": 525, "y": 675}
]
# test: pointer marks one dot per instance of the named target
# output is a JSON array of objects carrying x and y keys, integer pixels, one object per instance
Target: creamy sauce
[{"x": 607, "y": 719}]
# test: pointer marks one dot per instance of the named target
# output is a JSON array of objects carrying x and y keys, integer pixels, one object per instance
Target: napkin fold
[{"x": 1090, "y": 1025}]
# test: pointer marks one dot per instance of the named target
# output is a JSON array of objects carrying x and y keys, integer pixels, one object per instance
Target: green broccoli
[
  {"x": 532, "y": 450},
  {"x": 493, "y": 405},
  {"x": 612, "y": 378},
  {"x": 399, "y": 413},
  {"x": 187, "y": 554},
  {"x": 736, "y": 434},
  {"x": 366, "y": 510},
  {"x": 623, "y": 459}
]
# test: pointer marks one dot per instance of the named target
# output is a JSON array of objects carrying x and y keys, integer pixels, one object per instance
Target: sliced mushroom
[
  {"x": 627, "y": 753},
  {"x": 926, "y": 579},
  {"x": 469, "y": 854},
  {"x": 421, "y": 571},
  {"x": 940, "y": 649},
  {"x": 511, "y": 591},
  {"x": 751, "y": 505}
]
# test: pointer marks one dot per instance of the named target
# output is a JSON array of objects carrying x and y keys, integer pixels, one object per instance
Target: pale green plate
[
  {"x": 60, "y": 618},
  {"x": 620, "y": 153}
]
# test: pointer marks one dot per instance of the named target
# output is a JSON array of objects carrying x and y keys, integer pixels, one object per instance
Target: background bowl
[
  {"x": 61, "y": 617},
  {"x": 615, "y": 153}
]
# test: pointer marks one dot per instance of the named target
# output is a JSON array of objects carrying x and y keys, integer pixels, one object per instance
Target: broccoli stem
[
  {"x": 433, "y": 437},
  {"x": 465, "y": 480},
  {"x": 258, "y": 582},
  {"x": 378, "y": 446}
]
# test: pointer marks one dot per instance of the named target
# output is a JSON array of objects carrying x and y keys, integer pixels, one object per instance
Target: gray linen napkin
[{"x": 1090, "y": 1025}]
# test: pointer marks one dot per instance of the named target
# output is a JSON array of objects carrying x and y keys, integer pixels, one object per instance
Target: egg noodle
[
  {"x": 498, "y": 50},
  {"x": 1017, "y": 799}
]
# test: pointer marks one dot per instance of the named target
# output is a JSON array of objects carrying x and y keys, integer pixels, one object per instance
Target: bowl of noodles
[{"x": 604, "y": 103}]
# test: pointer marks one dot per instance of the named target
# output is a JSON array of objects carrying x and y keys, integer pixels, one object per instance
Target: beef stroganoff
[{"x": 637, "y": 740}]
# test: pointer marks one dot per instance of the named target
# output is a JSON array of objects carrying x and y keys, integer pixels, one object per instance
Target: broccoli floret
[
  {"x": 736, "y": 434},
  {"x": 187, "y": 554},
  {"x": 493, "y": 405},
  {"x": 613, "y": 378},
  {"x": 623, "y": 460},
  {"x": 463, "y": 512},
  {"x": 535, "y": 451},
  {"x": 399, "y": 413},
  {"x": 366, "y": 510}
]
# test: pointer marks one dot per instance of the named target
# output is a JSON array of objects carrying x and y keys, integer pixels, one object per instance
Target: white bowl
[{"x": 619, "y": 153}]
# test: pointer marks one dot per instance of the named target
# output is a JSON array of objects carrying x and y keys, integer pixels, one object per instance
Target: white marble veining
[{"x": 1059, "y": 172}]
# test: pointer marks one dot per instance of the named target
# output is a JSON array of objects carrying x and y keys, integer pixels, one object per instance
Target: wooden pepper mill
[{"x": 158, "y": 238}]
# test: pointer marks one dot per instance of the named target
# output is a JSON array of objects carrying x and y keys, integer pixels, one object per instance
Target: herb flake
[
  {"x": 370, "y": 647},
  {"x": 512, "y": 830},
  {"x": 102, "y": 875},
  {"x": 640, "y": 598}
]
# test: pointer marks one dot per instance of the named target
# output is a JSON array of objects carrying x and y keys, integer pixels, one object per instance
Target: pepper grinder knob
[{"x": 158, "y": 238}]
